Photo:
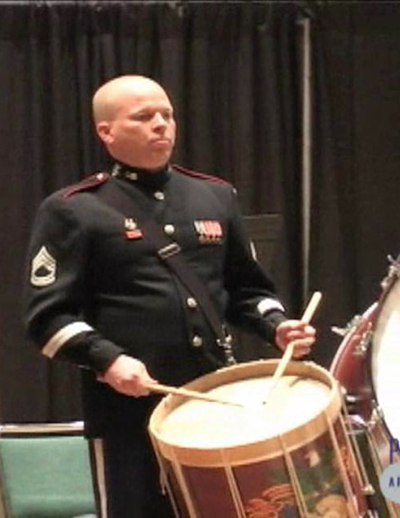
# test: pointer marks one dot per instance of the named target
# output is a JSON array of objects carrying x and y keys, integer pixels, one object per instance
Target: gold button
[
  {"x": 169, "y": 229},
  {"x": 158, "y": 195},
  {"x": 197, "y": 341},
  {"x": 191, "y": 302}
]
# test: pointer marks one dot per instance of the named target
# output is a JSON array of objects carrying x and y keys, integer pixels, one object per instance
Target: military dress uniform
[{"x": 97, "y": 289}]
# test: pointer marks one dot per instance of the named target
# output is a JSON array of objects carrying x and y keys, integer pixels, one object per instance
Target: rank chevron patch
[{"x": 44, "y": 268}]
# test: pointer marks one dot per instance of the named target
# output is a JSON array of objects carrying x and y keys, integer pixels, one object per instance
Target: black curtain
[
  {"x": 356, "y": 180},
  {"x": 231, "y": 69}
]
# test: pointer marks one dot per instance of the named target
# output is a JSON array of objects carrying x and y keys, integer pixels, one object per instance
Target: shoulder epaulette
[
  {"x": 84, "y": 185},
  {"x": 201, "y": 176}
]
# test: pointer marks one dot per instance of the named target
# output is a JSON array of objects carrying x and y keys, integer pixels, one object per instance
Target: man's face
[{"x": 142, "y": 130}]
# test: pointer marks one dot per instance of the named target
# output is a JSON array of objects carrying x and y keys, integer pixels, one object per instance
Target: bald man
[{"x": 100, "y": 296}]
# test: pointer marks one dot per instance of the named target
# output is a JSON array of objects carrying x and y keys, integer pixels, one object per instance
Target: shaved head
[{"x": 107, "y": 99}]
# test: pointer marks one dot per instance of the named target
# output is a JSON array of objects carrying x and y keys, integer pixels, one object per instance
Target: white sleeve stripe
[
  {"x": 62, "y": 336},
  {"x": 267, "y": 305}
]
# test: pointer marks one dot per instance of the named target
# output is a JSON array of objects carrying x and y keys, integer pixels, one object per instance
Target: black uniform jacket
[{"x": 97, "y": 289}]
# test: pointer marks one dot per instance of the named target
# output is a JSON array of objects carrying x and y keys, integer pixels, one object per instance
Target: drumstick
[
  {"x": 165, "y": 389},
  {"x": 307, "y": 315}
]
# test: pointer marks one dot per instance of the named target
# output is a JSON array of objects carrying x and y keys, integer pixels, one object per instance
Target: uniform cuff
[
  {"x": 272, "y": 321},
  {"x": 103, "y": 353}
]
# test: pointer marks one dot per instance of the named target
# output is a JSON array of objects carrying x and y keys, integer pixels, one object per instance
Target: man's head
[{"x": 134, "y": 118}]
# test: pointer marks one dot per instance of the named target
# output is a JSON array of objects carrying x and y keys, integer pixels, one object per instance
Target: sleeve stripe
[
  {"x": 62, "y": 336},
  {"x": 267, "y": 305}
]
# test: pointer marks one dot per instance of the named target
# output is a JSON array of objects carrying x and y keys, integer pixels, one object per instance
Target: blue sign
[{"x": 389, "y": 482}]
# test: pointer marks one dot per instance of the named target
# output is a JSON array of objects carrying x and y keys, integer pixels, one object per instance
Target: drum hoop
[
  {"x": 388, "y": 284},
  {"x": 368, "y": 317},
  {"x": 242, "y": 454}
]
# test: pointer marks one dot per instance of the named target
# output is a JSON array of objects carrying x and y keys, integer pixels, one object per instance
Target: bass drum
[{"x": 367, "y": 364}]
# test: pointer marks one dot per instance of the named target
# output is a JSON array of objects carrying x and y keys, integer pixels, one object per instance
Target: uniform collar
[{"x": 151, "y": 179}]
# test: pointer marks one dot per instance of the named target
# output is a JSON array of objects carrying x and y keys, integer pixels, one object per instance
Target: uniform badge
[
  {"x": 209, "y": 232},
  {"x": 44, "y": 267},
  {"x": 131, "y": 229}
]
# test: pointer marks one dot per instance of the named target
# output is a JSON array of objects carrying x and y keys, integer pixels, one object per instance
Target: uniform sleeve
[
  {"x": 253, "y": 302},
  {"x": 56, "y": 290}
]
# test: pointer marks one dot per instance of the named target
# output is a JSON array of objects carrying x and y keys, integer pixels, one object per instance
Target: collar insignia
[
  {"x": 44, "y": 267},
  {"x": 131, "y": 229},
  {"x": 209, "y": 232},
  {"x": 117, "y": 171}
]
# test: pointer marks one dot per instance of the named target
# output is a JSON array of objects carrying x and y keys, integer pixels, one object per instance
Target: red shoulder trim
[
  {"x": 195, "y": 174},
  {"x": 87, "y": 183}
]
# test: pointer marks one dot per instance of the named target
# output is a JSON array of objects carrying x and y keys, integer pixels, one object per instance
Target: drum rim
[
  {"x": 259, "y": 450},
  {"x": 368, "y": 317},
  {"x": 376, "y": 325}
]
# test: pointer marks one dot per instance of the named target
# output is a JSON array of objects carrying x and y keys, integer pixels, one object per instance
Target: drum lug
[
  {"x": 362, "y": 348},
  {"x": 343, "y": 331},
  {"x": 376, "y": 416},
  {"x": 352, "y": 403},
  {"x": 340, "y": 331},
  {"x": 393, "y": 272},
  {"x": 357, "y": 421}
]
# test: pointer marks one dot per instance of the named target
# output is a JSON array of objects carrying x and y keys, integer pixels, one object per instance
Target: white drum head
[
  {"x": 385, "y": 359},
  {"x": 198, "y": 424}
]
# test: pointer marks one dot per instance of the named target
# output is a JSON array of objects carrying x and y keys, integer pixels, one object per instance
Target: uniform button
[
  {"x": 158, "y": 195},
  {"x": 132, "y": 176},
  {"x": 169, "y": 229},
  {"x": 197, "y": 341},
  {"x": 191, "y": 302}
]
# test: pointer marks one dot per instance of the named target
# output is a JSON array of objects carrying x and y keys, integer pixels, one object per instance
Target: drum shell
[{"x": 200, "y": 467}]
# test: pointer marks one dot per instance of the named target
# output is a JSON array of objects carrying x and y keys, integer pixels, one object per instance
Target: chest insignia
[
  {"x": 131, "y": 229},
  {"x": 43, "y": 270},
  {"x": 209, "y": 232}
]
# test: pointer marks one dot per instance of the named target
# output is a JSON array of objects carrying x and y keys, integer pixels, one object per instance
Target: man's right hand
[{"x": 128, "y": 376}]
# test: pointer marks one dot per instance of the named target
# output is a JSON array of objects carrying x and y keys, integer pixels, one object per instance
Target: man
[{"x": 100, "y": 296}]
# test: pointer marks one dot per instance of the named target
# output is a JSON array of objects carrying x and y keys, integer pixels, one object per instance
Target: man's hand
[
  {"x": 303, "y": 336},
  {"x": 128, "y": 376}
]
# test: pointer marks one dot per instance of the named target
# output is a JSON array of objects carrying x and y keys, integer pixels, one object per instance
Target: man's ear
[{"x": 103, "y": 129}]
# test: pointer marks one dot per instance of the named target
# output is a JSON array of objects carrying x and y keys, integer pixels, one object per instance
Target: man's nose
[{"x": 159, "y": 121}]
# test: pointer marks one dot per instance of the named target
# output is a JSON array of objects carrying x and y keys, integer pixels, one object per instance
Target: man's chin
[{"x": 159, "y": 161}]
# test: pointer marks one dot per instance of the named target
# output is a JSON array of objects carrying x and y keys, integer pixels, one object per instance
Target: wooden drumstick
[
  {"x": 165, "y": 389},
  {"x": 287, "y": 356}
]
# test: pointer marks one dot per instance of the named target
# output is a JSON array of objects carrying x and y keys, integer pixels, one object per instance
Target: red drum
[
  {"x": 367, "y": 364},
  {"x": 289, "y": 457},
  {"x": 351, "y": 364}
]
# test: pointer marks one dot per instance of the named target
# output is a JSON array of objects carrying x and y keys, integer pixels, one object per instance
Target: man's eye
[{"x": 142, "y": 117}]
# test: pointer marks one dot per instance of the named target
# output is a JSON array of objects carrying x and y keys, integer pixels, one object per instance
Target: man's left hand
[{"x": 303, "y": 335}]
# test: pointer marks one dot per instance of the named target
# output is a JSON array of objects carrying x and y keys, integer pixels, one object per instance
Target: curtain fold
[{"x": 356, "y": 162}]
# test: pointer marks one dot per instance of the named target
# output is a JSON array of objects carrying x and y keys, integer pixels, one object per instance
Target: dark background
[{"x": 234, "y": 73}]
